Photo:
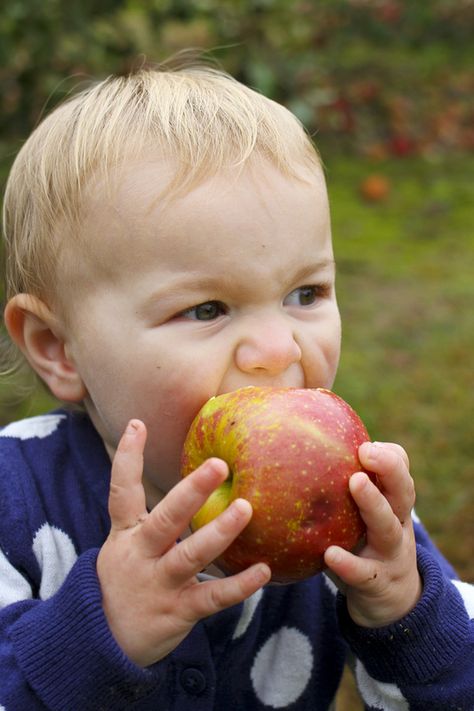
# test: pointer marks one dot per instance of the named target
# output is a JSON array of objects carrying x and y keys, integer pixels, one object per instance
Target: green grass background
[{"x": 406, "y": 293}]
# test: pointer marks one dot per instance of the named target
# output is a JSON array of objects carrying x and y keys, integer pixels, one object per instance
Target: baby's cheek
[{"x": 173, "y": 409}]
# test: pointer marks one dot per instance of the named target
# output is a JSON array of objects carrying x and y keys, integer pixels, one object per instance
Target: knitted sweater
[{"x": 284, "y": 648}]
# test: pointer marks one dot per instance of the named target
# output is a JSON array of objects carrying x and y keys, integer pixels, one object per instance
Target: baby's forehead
[
  {"x": 137, "y": 204},
  {"x": 152, "y": 184},
  {"x": 155, "y": 184},
  {"x": 169, "y": 178}
]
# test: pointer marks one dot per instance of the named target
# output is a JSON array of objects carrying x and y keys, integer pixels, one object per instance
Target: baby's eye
[
  {"x": 305, "y": 295},
  {"x": 208, "y": 311}
]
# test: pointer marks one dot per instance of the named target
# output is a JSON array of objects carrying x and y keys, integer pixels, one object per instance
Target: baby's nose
[{"x": 270, "y": 347}]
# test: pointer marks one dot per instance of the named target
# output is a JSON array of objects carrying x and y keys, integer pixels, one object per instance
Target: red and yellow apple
[{"x": 290, "y": 453}]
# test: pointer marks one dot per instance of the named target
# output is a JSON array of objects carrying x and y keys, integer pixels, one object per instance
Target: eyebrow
[
  {"x": 182, "y": 283},
  {"x": 313, "y": 268},
  {"x": 209, "y": 283}
]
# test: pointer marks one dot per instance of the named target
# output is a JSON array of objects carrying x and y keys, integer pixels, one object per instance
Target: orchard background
[{"x": 386, "y": 88}]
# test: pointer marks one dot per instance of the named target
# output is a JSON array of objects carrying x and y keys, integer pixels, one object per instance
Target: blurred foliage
[{"x": 379, "y": 77}]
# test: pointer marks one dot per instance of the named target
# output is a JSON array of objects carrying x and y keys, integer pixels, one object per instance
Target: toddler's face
[{"x": 228, "y": 286}]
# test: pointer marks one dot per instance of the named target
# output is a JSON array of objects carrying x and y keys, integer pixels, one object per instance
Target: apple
[
  {"x": 375, "y": 187},
  {"x": 290, "y": 453}
]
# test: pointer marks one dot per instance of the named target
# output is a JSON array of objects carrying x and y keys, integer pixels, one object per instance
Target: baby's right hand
[{"x": 150, "y": 592}]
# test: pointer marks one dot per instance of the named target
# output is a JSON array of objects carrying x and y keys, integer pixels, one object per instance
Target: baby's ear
[{"x": 37, "y": 332}]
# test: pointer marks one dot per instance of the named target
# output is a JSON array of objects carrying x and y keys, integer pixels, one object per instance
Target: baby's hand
[
  {"x": 381, "y": 582},
  {"x": 151, "y": 596}
]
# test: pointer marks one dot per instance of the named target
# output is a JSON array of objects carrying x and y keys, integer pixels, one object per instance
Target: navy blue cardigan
[{"x": 284, "y": 648}]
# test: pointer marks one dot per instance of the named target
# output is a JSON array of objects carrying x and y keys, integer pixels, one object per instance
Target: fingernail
[
  {"x": 360, "y": 479},
  {"x": 132, "y": 427},
  {"x": 334, "y": 556},
  {"x": 238, "y": 508},
  {"x": 262, "y": 574},
  {"x": 372, "y": 450}
]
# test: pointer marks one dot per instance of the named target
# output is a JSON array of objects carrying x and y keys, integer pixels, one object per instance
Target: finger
[
  {"x": 352, "y": 570},
  {"x": 397, "y": 449},
  {"x": 205, "y": 545},
  {"x": 390, "y": 463},
  {"x": 384, "y": 530},
  {"x": 172, "y": 515},
  {"x": 127, "y": 504},
  {"x": 216, "y": 595}
]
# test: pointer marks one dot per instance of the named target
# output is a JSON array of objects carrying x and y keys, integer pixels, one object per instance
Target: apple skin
[{"x": 290, "y": 453}]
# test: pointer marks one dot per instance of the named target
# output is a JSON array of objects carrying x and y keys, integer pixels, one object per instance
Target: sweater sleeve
[
  {"x": 425, "y": 661},
  {"x": 59, "y": 654}
]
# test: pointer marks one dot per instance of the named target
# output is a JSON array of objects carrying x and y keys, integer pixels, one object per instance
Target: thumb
[{"x": 127, "y": 504}]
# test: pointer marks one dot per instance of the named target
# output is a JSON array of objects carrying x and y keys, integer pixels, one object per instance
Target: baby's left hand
[{"x": 381, "y": 582}]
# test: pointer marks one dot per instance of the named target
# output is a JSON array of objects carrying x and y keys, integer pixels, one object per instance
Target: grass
[{"x": 406, "y": 291}]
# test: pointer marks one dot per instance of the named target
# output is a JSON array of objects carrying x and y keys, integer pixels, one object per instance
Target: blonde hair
[{"x": 198, "y": 116}]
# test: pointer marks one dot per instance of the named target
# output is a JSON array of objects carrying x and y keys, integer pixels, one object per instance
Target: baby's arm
[
  {"x": 59, "y": 653},
  {"x": 151, "y": 595},
  {"x": 406, "y": 618}
]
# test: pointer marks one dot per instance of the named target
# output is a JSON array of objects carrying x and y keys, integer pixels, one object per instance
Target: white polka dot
[
  {"x": 332, "y": 586},
  {"x": 282, "y": 668},
  {"x": 379, "y": 694},
  {"x": 13, "y": 586},
  {"x": 467, "y": 593},
  {"x": 248, "y": 611},
  {"x": 56, "y": 555},
  {"x": 40, "y": 426},
  {"x": 2, "y": 708},
  {"x": 415, "y": 516}
]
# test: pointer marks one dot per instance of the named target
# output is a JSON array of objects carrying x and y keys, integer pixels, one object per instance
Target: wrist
[
  {"x": 380, "y": 613},
  {"x": 424, "y": 643}
]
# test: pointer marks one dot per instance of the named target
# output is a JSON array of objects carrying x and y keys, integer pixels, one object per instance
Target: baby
[{"x": 168, "y": 239}]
